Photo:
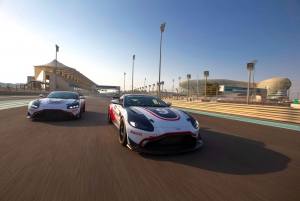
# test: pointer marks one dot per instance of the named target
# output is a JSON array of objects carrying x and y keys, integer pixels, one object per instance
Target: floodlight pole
[
  {"x": 124, "y": 82},
  {"x": 248, "y": 87},
  {"x": 57, "y": 49},
  {"x": 194, "y": 92},
  {"x": 133, "y": 58},
  {"x": 254, "y": 91},
  {"x": 188, "y": 78},
  {"x": 55, "y": 87},
  {"x": 162, "y": 29},
  {"x": 179, "y": 84},
  {"x": 249, "y": 69},
  {"x": 144, "y": 82},
  {"x": 188, "y": 88},
  {"x": 205, "y": 89},
  {"x": 153, "y": 89},
  {"x": 173, "y": 87},
  {"x": 206, "y": 74}
]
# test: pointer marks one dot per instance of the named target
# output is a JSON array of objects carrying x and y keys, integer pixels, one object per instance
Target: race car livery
[
  {"x": 148, "y": 124},
  {"x": 57, "y": 105}
]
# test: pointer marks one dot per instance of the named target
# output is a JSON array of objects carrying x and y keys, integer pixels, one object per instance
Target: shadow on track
[{"x": 229, "y": 154}]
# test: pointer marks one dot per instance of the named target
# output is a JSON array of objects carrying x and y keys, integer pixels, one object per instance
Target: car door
[
  {"x": 115, "y": 109},
  {"x": 120, "y": 109}
]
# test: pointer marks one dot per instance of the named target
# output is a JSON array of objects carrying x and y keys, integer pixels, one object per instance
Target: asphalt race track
[{"x": 82, "y": 160}]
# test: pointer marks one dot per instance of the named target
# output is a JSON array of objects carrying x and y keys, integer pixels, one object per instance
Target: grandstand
[{"x": 67, "y": 78}]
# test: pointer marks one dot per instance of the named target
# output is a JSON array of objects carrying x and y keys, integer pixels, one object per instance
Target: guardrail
[
  {"x": 31, "y": 92},
  {"x": 8, "y": 90},
  {"x": 14, "y": 93},
  {"x": 273, "y": 113}
]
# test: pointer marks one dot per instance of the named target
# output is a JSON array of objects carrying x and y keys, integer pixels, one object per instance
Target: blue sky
[{"x": 98, "y": 38}]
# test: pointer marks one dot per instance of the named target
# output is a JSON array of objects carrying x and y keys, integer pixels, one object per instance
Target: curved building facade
[{"x": 276, "y": 87}]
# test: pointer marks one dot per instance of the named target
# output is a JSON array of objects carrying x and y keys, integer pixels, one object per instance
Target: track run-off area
[{"x": 83, "y": 160}]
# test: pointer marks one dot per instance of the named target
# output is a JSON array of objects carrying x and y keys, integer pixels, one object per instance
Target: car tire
[
  {"x": 122, "y": 134},
  {"x": 108, "y": 117},
  {"x": 79, "y": 115}
]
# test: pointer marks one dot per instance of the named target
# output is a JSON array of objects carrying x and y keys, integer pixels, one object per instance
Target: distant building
[
  {"x": 277, "y": 88},
  {"x": 258, "y": 94}
]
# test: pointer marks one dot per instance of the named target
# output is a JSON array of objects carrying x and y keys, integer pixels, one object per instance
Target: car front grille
[
  {"x": 51, "y": 114},
  {"x": 171, "y": 142}
]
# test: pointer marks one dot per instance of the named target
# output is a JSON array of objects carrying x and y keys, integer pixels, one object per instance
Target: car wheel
[
  {"x": 79, "y": 115},
  {"x": 122, "y": 134},
  {"x": 108, "y": 117}
]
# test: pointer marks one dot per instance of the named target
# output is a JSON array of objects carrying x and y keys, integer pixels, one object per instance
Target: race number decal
[
  {"x": 166, "y": 114},
  {"x": 162, "y": 111}
]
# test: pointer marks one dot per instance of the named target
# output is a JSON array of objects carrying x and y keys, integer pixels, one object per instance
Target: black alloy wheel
[{"x": 122, "y": 134}]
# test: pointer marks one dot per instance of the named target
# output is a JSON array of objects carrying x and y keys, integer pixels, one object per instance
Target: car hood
[
  {"x": 55, "y": 103},
  {"x": 163, "y": 116}
]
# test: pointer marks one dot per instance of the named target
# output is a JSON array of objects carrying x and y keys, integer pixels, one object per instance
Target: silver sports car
[
  {"x": 148, "y": 124},
  {"x": 57, "y": 105}
]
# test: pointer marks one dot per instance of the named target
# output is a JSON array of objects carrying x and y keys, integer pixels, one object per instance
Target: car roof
[
  {"x": 64, "y": 92},
  {"x": 138, "y": 95}
]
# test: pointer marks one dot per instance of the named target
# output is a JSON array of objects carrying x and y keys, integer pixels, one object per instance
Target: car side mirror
[
  {"x": 42, "y": 96},
  {"x": 169, "y": 104},
  {"x": 115, "y": 101}
]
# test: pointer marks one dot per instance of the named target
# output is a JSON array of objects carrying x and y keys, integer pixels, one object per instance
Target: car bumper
[
  {"x": 160, "y": 145},
  {"x": 52, "y": 114}
]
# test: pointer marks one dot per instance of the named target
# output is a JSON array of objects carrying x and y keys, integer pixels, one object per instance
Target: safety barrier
[
  {"x": 273, "y": 113},
  {"x": 22, "y": 93}
]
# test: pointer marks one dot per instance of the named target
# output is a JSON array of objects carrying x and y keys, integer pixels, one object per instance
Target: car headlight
[
  {"x": 141, "y": 126},
  {"x": 34, "y": 104},
  {"x": 73, "y": 106},
  {"x": 196, "y": 124}
]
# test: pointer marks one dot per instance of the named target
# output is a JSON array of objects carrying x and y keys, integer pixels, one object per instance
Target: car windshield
[
  {"x": 63, "y": 95},
  {"x": 144, "y": 101}
]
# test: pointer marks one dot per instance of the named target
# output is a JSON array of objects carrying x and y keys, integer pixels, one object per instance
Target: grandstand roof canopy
[{"x": 61, "y": 68}]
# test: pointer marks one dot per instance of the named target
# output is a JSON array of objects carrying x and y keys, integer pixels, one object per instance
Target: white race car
[
  {"x": 148, "y": 124},
  {"x": 57, "y": 105}
]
